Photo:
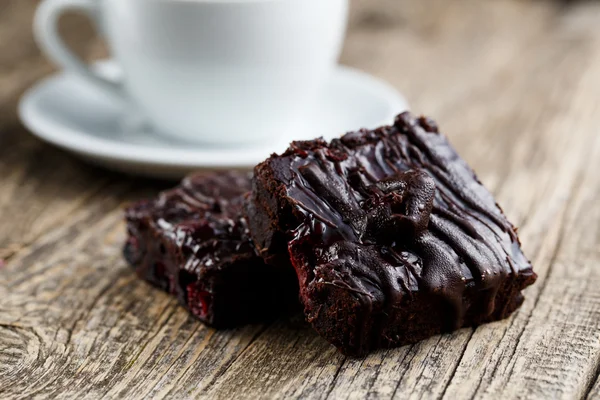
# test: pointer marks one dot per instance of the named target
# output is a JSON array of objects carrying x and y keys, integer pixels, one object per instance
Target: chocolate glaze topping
[{"x": 385, "y": 215}]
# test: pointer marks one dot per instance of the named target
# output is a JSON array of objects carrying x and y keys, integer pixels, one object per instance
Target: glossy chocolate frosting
[{"x": 383, "y": 219}]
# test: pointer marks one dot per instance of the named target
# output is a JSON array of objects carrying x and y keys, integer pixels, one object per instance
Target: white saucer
[{"x": 67, "y": 112}]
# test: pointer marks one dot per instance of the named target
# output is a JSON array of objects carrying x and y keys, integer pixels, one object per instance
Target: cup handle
[{"x": 45, "y": 27}]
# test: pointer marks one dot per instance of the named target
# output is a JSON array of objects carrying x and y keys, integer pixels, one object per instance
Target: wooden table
[{"x": 516, "y": 86}]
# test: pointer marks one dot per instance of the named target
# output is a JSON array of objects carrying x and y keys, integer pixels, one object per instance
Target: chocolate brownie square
[
  {"x": 193, "y": 242},
  {"x": 391, "y": 234}
]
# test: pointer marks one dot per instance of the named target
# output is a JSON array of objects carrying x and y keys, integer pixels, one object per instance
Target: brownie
[
  {"x": 391, "y": 234},
  {"x": 193, "y": 242}
]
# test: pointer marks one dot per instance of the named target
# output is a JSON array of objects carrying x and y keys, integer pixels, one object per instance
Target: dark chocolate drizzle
[{"x": 394, "y": 211}]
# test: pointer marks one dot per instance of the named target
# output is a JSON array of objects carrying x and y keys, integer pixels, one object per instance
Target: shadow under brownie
[
  {"x": 391, "y": 234},
  {"x": 193, "y": 242}
]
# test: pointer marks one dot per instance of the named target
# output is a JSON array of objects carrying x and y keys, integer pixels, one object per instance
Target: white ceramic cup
[{"x": 220, "y": 72}]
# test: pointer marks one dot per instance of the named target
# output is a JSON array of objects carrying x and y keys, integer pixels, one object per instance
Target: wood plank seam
[
  {"x": 362, "y": 361},
  {"x": 497, "y": 365},
  {"x": 377, "y": 372},
  {"x": 335, "y": 376},
  {"x": 246, "y": 347},
  {"x": 190, "y": 363},
  {"x": 172, "y": 309},
  {"x": 552, "y": 262},
  {"x": 181, "y": 351},
  {"x": 462, "y": 354},
  {"x": 405, "y": 369}
]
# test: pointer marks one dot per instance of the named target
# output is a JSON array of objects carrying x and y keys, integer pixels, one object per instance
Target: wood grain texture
[{"x": 514, "y": 84}]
